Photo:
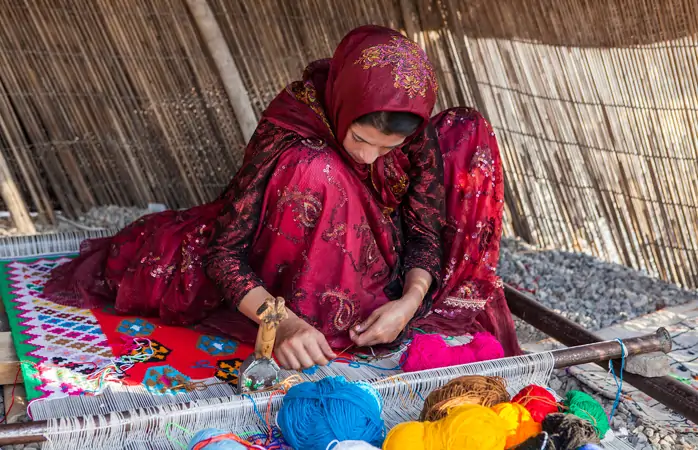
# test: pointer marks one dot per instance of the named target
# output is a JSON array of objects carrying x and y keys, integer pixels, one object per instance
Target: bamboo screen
[{"x": 594, "y": 103}]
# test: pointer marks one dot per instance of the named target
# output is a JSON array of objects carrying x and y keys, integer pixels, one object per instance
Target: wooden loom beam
[
  {"x": 666, "y": 390},
  {"x": 31, "y": 432}
]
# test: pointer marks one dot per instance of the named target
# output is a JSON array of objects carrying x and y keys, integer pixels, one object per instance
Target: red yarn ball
[{"x": 537, "y": 400}]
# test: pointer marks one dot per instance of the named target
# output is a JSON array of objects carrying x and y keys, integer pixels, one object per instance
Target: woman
[{"x": 348, "y": 200}]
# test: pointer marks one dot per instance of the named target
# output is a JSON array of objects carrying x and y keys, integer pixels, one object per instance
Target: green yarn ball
[{"x": 584, "y": 406}]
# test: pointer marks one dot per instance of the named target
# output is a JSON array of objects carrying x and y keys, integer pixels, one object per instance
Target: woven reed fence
[{"x": 595, "y": 105}]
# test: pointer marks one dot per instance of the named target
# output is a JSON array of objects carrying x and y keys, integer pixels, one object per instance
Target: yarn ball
[
  {"x": 537, "y": 400},
  {"x": 518, "y": 421},
  {"x": 214, "y": 439},
  {"x": 467, "y": 427},
  {"x": 585, "y": 406},
  {"x": 569, "y": 432},
  {"x": 351, "y": 445},
  {"x": 431, "y": 351},
  {"x": 313, "y": 414},
  {"x": 407, "y": 436},
  {"x": 466, "y": 390},
  {"x": 486, "y": 347},
  {"x": 590, "y": 447}
]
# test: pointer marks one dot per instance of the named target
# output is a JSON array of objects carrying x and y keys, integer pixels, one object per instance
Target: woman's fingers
[
  {"x": 288, "y": 360},
  {"x": 302, "y": 355},
  {"x": 325, "y": 348},
  {"x": 366, "y": 324},
  {"x": 372, "y": 335},
  {"x": 316, "y": 353}
]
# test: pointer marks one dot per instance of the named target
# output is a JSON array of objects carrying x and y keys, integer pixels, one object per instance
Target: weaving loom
[{"x": 135, "y": 417}]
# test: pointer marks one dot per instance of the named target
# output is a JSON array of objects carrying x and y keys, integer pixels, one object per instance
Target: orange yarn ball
[
  {"x": 537, "y": 400},
  {"x": 519, "y": 424}
]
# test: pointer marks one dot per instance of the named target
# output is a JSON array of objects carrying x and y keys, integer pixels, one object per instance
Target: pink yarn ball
[
  {"x": 486, "y": 347},
  {"x": 430, "y": 351}
]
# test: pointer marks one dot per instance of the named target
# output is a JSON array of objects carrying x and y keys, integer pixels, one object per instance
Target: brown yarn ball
[
  {"x": 466, "y": 390},
  {"x": 569, "y": 432}
]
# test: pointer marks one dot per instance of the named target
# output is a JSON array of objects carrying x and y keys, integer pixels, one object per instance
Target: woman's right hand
[{"x": 300, "y": 346}]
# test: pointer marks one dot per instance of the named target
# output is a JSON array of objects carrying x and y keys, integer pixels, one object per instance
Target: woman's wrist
[{"x": 414, "y": 297}]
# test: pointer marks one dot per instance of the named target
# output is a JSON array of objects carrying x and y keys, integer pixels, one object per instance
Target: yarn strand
[{"x": 619, "y": 383}]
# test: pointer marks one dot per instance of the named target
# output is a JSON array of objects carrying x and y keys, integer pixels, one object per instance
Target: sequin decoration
[
  {"x": 305, "y": 92},
  {"x": 412, "y": 70},
  {"x": 483, "y": 160},
  {"x": 306, "y": 206},
  {"x": 346, "y": 309}
]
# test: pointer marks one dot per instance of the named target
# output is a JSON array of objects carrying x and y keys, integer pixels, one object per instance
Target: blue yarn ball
[
  {"x": 314, "y": 414},
  {"x": 590, "y": 447},
  {"x": 225, "y": 444}
]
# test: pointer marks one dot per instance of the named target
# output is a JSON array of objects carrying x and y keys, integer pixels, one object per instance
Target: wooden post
[
  {"x": 230, "y": 76},
  {"x": 13, "y": 199},
  {"x": 410, "y": 16}
]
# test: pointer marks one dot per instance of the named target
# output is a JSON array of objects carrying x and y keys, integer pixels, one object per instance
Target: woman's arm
[
  {"x": 423, "y": 211},
  {"x": 298, "y": 344}
]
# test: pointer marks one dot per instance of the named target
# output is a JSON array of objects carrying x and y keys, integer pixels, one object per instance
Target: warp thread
[
  {"x": 585, "y": 406},
  {"x": 430, "y": 351},
  {"x": 537, "y": 400},
  {"x": 314, "y": 414},
  {"x": 466, "y": 390},
  {"x": 467, "y": 427},
  {"x": 520, "y": 425}
]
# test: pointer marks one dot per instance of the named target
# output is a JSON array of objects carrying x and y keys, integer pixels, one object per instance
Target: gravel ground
[
  {"x": 593, "y": 293},
  {"x": 596, "y": 295}
]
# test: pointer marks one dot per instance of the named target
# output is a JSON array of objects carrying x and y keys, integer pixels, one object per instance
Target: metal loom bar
[
  {"x": 666, "y": 390},
  {"x": 26, "y": 433}
]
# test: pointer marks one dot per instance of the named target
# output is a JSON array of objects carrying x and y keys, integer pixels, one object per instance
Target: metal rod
[
  {"x": 666, "y": 390},
  {"x": 27, "y": 433},
  {"x": 598, "y": 352}
]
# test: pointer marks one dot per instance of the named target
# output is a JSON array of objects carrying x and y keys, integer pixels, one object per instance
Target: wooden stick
[
  {"x": 220, "y": 53},
  {"x": 13, "y": 199}
]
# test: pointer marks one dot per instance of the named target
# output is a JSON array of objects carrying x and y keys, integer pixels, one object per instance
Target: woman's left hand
[{"x": 386, "y": 323}]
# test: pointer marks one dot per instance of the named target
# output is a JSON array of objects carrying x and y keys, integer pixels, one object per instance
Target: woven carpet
[{"x": 61, "y": 346}]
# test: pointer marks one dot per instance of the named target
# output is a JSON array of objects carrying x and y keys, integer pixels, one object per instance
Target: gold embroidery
[
  {"x": 305, "y": 92},
  {"x": 412, "y": 70}
]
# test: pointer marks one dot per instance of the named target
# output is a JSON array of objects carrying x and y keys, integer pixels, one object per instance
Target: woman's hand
[
  {"x": 386, "y": 323},
  {"x": 300, "y": 346}
]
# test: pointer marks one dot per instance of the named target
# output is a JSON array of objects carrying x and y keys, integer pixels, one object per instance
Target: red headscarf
[{"x": 373, "y": 69}]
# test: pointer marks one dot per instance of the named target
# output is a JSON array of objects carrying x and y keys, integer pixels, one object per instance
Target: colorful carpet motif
[{"x": 62, "y": 348}]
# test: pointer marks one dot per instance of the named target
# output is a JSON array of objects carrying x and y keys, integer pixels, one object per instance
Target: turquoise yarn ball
[
  {"x": 314, "y": 414},
  {"x": 225, "y": 444}
]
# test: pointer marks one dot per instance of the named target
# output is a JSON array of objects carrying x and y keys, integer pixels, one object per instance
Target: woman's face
[{"x": 365, "y": 143}]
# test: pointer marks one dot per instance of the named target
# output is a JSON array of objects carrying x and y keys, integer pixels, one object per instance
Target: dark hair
[{"x": 392, "y": 122}]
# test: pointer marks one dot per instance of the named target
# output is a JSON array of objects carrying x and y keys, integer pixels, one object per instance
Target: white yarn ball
[{"x": 351, "y": 445}]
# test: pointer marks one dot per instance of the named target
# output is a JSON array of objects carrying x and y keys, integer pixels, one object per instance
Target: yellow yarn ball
[
  {"x": 467, "y": 427},
  {"x": 519, "y": 423},
  {"x": 471, "y": 427},
  {"x": 406, "y": 436}
]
